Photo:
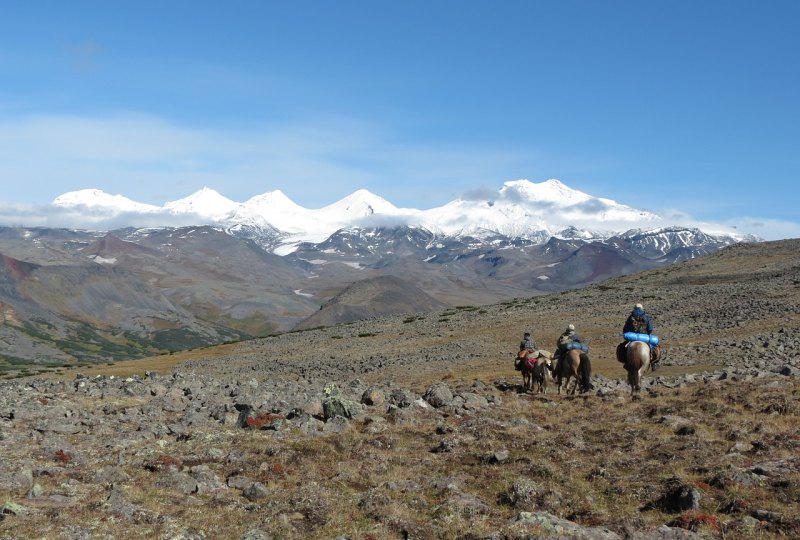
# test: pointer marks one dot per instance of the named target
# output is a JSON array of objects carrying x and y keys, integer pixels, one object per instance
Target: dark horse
[
  {"x": 573, "y": 364},
  {"x": 535, "y": 370},
  {"x": 637, "y": 360}
]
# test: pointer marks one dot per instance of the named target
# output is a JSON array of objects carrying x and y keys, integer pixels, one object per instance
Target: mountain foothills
[{"x": 114, "y": 288}]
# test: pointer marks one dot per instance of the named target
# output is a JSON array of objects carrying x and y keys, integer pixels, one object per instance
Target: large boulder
[{"x": 438, "y": 395}]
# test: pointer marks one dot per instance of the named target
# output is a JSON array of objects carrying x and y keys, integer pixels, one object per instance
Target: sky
[{"x": 684, "y": 108}]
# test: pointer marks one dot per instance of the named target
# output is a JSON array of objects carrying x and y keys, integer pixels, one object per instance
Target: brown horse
[
  {"x": 541, "y": 374},
  {"x": 573, "y": 364},
  {"x": 537, "y": 374},
  {"x": 637, "y": 360},
  {"x": 528, "y": 364}
]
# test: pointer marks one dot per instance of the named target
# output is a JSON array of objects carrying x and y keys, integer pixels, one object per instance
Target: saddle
[
  {"x": 655, "y": 353},
  {"x": 526, "y": 358},
  {"x": 531, "y": 361}
]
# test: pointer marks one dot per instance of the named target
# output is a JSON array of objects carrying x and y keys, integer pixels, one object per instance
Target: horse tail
[{"x": 586, "y": 373}]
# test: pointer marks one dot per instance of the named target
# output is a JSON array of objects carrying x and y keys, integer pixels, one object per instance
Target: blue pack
[
  {"x": 647, "y": 338},
  {"x": 577, "y": 345}
]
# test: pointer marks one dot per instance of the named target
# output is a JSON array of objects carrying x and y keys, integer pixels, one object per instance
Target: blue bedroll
[
  {"x": 647, "y": 338},
  {"x": 577, "y": 345}
]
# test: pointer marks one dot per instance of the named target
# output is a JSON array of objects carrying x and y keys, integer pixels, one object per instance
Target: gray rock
[
  {"x": 178, "y": 481},
  {"x": 474, "y": 402},
  {"x": 11, "y": 508},
  {"x": 402, "y": 398},
  {"x": 110, "y": 474},
  {"x": 549, "y": 526},
  {"x": 373, "y": 396},
  {"x": 255, "y": 491},
  {"x": 337, "y": 424},
  {"x": 468, "y": 504},
  {"x": 679, "y": 497},
  {"x": 438, "y": 395},
  {"x": 335, "y": 404},
  {"x": 522, "y": 493}
]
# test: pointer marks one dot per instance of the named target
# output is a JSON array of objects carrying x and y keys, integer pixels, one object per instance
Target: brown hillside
[{"x": 417, "y": 426}]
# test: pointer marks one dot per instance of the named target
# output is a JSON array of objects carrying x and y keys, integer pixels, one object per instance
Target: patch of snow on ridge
[
  {"x": 101, "y": 260},
  {"x": 299, "y": 292}
]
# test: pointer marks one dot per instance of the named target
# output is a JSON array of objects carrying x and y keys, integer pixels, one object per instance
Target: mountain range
[{"x": 269, "y": 265}]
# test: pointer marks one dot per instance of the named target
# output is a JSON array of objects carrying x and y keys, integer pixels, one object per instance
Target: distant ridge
[{"x": 372, "y": 297}]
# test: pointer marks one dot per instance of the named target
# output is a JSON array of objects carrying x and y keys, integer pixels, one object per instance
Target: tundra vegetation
[{"x": 419, "y": 428}]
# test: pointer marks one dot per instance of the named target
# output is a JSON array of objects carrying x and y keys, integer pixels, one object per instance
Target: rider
[
  {"x": 567, "y": 337},
  {"x": 527, "y": 343},
  {"x": 639, "y": 322},
  {"x": 526, "y": 346},
  {"x": 563, "y": 341}
]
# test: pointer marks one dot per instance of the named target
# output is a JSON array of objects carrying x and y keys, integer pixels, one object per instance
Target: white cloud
[
  {"x": 154, "y": 161},
  {"x": 315, "y": 162},
  {"x": 768, "y": 229}
]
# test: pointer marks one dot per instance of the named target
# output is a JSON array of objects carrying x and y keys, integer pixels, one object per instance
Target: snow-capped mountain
[
  {"x": 520, "y": 208},
  {"x": 98, "y": 200},
  {"x": 206, "y": 203},
  {"x": 523, "y": 208},
  {"x": 203, "y": 269}
]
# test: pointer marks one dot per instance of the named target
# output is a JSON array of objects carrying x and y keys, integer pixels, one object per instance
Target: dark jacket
[{"x": 630, "y": 323}]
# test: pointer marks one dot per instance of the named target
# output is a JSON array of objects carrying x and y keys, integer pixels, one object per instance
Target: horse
[
  {"x": 637, "y": 360},
  {"x": 535, "y": 371},
  {"x": 573, "y": 364},
  {"x": 542, "y": 372},
  {"x": 526, "y": 367}
]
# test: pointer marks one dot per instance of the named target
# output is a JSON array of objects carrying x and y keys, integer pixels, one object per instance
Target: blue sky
[{"x": 681, "y": 107}]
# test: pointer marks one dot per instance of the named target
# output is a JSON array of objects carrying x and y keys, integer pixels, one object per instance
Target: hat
[
  {"x": 639, "y": 306},
  {"x": 571, "y": 327},
  {"x": 527, "y": 334}
]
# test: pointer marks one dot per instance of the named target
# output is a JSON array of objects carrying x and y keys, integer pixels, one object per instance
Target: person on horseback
[
  {"x": 567, "y": 337},
  {"x": 563, "y": 342},
  {"x": 527, "y": 343},
  {"x": 639, "y": 322},
  {"x": 526, "y": 346}
]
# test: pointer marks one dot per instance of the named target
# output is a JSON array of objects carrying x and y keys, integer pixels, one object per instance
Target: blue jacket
[{"x": 637, "y": 313}]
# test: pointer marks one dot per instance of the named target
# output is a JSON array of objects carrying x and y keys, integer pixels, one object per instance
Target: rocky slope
[
  {"x": 416, "y": 426},
  {"x": 87, "y": 296},
  {"x": 372, "y": 298}
]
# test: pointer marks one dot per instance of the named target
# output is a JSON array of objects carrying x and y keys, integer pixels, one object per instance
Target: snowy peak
[
  {"x": 359, "y": 204},
  {"x": 519, "y": 209},
  {"x": 549, "y": 191},
  {"x": 205, "y": 202},
  {"x": 272, "y": 200},
  {"x": 97, "y": 199}
]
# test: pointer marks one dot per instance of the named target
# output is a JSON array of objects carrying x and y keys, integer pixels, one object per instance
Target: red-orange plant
[{"x": 63, "y": 456}]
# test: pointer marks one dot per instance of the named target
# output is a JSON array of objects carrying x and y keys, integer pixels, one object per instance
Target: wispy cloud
[{"x": 154, "y": 161}]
